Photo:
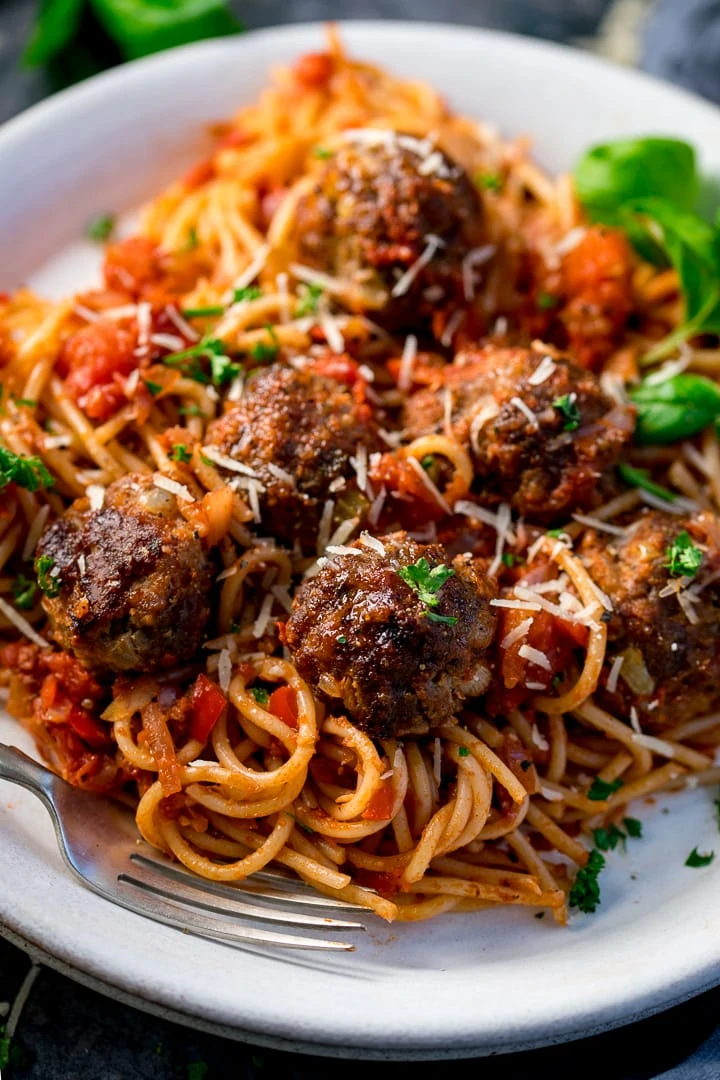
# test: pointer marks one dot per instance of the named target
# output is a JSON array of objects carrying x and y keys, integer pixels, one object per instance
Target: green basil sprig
[
  {"x": 613, "y": 173},
  {"x": 675, "y": 408}
]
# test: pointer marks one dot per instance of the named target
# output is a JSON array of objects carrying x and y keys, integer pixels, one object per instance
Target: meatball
[
  {"x": 670, "y": 662},
  {"x": 298, "y": 431},
  {"x": 369, "y": 644},
  {"x": 539, "y": 444},
  {"x": 132, "y": 580},
  {"x": 375, "y": 210}
]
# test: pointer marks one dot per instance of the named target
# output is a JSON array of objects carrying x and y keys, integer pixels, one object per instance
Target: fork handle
[{"x": 18, "y": 768}]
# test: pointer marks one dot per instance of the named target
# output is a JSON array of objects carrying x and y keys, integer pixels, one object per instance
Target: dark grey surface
[{"x": 70, "y": 1033}]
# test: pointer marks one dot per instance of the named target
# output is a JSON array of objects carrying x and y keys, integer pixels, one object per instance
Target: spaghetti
[{"x": 240, "y": 292}]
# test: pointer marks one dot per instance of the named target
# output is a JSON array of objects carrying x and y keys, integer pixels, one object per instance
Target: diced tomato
[
  {"x": 597, "y": 284},
  {"x": 79, "y": 685},
  {"x": 284, "y": 705},
  {"x": 199, "y": 174},
  {"x": 385, "y": 882},
  {"x": 380, "y": 806},
  {"x": 342, "y": 368},
  {"x": 416, "y": 505},
  {"x": 90, "y": 730},
  {"x": 161, "y": 746},
  {"x": 208, "y": 702},
  {"x": 131, "y": 264},
  {"x": 95, "y": 362},
  {"x": 314, "y": 70}
]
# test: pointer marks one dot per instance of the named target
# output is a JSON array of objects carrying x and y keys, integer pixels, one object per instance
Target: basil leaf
[
  {"x": 675, "y": 408},
  {"x": 140, "y": 27},
  {"x": 56, "y": 24},
  {"x": 610, "y": 174}
]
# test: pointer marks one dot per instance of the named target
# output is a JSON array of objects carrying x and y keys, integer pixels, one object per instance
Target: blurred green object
[{"x": 80, "y": 37}]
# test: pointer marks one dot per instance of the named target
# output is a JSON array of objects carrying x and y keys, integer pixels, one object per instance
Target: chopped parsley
[
  {"x": 585, "y": 893},
  {"x": 223, "y": 369},
  {"x": 427, "y": 582},
  {"x": 263, "y": 353},
  {"x": 640, "y": 478},
  {"x": 203, "y": 312},
  {"x": 208, "y": 348},
  {"x": 547, "y": 301},
  {"x": 567, "y": 405},
  {"x": 26, "y": 472},
  {"x": 250, "y": 292},
  {"x": 322, "y": 153},
  {"x": 24, "y": 591},
  {"x": 509, "y": 559},
  {"x": 180, "y": 453},
  {"x": 633, "y": 826},
  {"x": 27, "y": 402},
  {"x": 341, "y": 639},
  {"x": 428, "y": 461},
  {"x": 153, "y": 387},
  {"x": 463, "y": 751},
  {"x": 49, "y": 583},
  {"x": 261, "y": 696},
  {"x": 554, "y": 534},
  {"x": 309, "y": 300},
  {"x": 683, "y": 557},
  {"x": 609, "y": 838},
  {"x": 489, "y": 181},
  {"x": 601, "y": 790},
  {"x": 192, "y": 241},
  {"x": 190, "y": 410},
  {"x": 696, "y": 859},
  {"x": 100, "y": 228}
]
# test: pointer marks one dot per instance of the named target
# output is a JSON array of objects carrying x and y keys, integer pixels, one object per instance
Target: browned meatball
[
  {"x": 366, "y": 641},
  {"x": 375, "y": 210},
  {"x": 545, "y": 467},
  {"x": 671, "y": 662},
  {"x": 297, "y": 432},
  {"x": 132, "y": 580}
]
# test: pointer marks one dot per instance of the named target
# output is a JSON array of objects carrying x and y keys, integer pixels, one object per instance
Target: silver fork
[{"x": 99, "y": 843}]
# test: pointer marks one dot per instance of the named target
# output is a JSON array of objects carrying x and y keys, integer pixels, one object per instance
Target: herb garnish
[
  {"x": 27, "y": 472},
  {"x": 607, "y": 839},
  {"x": 683, "y": 557},
  {"x": 341, "y": 639},
  {"x": 322, "y": 153},
  {"x": 190, "y": 410},
  {"x": 261, "y": 696},
  {"x": 180, "y": 453},
  {"x": 585, "y": 893},
  {"x": 100, "y": 228},
  {"x": 427, "y": 462},
  {"x": 675, "y": 408},
  {"x": 262, "y": 353},
  {"x": 600, "y": 790},
  {"x": 696, "y": 859},
  {"x": 153, "y": 388},
  {"x": 203, "y": 312},
  {"x": 489, "y": 181},
  {"x": 463, "y": 751},
  {"x": 309, "y": 300},
  {"x": 208, "y": 348},
  {"x": 640, "y": 478},
  {"x": 250, "y": 292},
  {"x": 223, "y": 369},
  {"x": 547, "y": 301},
  {"x": 49, "y": 583},
  {"x": 633, "y": 826},
  {"x": 427, "y": 582},
  {"x": 24, "y": 590},
  {"x": 567, "y": 405}
]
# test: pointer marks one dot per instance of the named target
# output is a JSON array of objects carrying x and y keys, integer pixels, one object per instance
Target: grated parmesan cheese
[
  {"x": 543, "y": 371},
  {"x": 434, "y": 491},
  {"x": 432, "y": 246},
  {"x": 252, "y": 270},
  {"x": 342, "y": 549},
  {"x": 600, "y": 526},
  {"x": 172, "y": 486},
  {"x": 224, "y": 670},
  {"x": 407, "y": 363},
  {"x": 612, "y": 679},
  {"x": 655, "y": 745},
  {"x": 373, "y": 543},
  {"x": 525, "y": 410},
  {"x": 570, "y": 240},
  {"x": 539, "y": 740},
  {"x": 144, "y": 323},
  {"x": 535, "y": 686},
  {"x": 535, "y": 656},
  {"x": 96, "y": 496},
  {"x": 453, "y": 325},
  {"x": 281, "y": 474},
  {"x": 189, "y": 332},
  {"x": 34, "y": 532},
  {"x": 517, "y": 605},
  {"x": 261, "y": 623},
  {"x": 519, "y": 632},
  {"x": 226, "y": 462},
  {"x": 550, "y": 794},
  {"x": 82, "y": 566},
  {"x": 376, "y": 507},
  {"x": 474, "y": 258},
  {"x": 168, "y": 341},
  {"x": 635, "y": 720},
  {"x": 360, "y": 465},
  {"x": 344, "y": 531},
  {"x": 22, "y": 624},
  {"x": 323, "y": 537},
  {"x": 331, "y": 329}
]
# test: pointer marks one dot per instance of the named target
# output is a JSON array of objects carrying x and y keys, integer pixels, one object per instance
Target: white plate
[{"x": 460, "y": 985}]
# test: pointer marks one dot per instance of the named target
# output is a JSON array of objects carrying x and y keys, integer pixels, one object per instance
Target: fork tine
[
  {"x": 195, "y": 895},
  {"x": 154, "y": 907},
  {"x": 287, "y": 890}
]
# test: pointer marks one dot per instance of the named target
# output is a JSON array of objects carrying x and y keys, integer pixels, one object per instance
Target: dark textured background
[{"x": 69, "y": 1033}]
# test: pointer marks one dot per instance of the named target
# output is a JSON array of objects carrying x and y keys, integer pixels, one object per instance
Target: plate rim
[{"x": 63, "y": 105}]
